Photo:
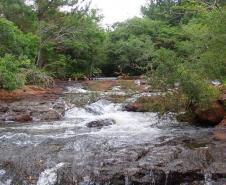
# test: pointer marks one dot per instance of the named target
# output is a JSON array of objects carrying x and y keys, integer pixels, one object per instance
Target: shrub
[
  {"x": 35, "y": 76},
  {"x": 11, "y": 75},
  {"x": 17, "y": 72}
]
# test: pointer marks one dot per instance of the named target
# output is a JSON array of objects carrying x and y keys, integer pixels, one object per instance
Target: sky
[{"x": 118, "y": 10}]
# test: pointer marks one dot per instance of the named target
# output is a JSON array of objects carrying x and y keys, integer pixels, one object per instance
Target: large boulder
[
  {"x": 212, "y": 115},
  {"x": 100, "y": 123}
]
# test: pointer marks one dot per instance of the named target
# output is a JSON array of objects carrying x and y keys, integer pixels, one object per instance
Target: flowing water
[{"x": 129, "y": 148}]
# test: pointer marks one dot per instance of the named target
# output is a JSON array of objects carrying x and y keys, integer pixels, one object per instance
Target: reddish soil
[{"x": 30, "y": 92}]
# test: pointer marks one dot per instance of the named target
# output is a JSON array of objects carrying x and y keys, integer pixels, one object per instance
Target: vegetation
[
  {"x": 176, "y": 44},
  {"x": 162, "y": 103}
]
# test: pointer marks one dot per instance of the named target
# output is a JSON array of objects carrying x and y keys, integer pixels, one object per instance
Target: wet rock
[
  {"x": 134, "y": 107},
  {"x": 220, "y": 134},
  {"x": 3, "y": 108},
  {"x": 51, "y": 115},
  {"x": 223, "y": 122},
  {"x": 211, "y": 116},
  {"x": 100, "y": 123},
  {"x": 26, "y": 117},
  {"x": 38, "y": 109}
]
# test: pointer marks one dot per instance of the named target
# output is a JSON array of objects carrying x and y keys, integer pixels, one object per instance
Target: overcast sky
[{"x": 118, "y": 10}]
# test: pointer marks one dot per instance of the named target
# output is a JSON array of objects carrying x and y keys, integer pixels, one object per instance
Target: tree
[
  {"x": 18, "y": 12},
  {"x": 15, "y": 42},
  {"x": 51, "y": 22}
]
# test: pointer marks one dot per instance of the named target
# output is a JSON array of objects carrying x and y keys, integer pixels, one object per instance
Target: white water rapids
[{"x": 45, "y": 149}]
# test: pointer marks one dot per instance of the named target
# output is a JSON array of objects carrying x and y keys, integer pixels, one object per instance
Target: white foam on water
[
  {"x": 103, "y": 107},
  {"x": 49, "y": 176},
  {"x": 2, "y": 172},
  {"x": 7, "y": 182},
  {"x": 128, "y": 122},
  {"x": 76, "y": 90},
  {"x": 78, "y": 113}
]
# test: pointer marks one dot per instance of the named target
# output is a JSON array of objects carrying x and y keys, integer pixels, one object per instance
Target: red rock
[{"x": 214, "y": 115}]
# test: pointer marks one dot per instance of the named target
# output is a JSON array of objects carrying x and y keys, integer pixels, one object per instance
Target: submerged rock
[{"x": 100, "y": 123}]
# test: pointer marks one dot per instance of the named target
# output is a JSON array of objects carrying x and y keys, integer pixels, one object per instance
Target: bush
[
  {"x": 168, "y": 102},
  {"x": 35, "y": 76},
  {"x": 17, "y": 72},
  {"x": 11, "y": 75}
]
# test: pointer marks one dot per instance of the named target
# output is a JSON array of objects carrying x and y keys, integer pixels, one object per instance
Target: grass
[
  {"x": 107, "y": 85},
  {"x": 99, "y": 85},
  {"x": 170, "y": 102},
  {"x": 116, "y": 98}
]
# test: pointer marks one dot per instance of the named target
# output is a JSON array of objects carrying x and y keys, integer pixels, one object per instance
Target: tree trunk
[{"x": 39, "y": 61}]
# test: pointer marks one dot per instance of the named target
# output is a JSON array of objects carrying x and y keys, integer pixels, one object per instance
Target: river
[{"x": 101, "y": 144}]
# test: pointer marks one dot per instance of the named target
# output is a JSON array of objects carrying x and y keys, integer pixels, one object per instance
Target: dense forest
[{"x": 176, "y": 43}]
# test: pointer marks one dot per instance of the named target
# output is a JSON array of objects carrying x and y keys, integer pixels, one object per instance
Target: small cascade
[
  {"x": 167, "y": 176},
  {"x": 208, "y": 178},
  {"x": 127, "y": 180},
  {"x": 49, "y": 176},
  {"x": 152, "y": 178}
]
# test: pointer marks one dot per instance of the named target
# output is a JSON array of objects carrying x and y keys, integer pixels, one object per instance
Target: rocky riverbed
[
  {"x": 97, "y": 142},
  {"x": 32, "y": 103}
]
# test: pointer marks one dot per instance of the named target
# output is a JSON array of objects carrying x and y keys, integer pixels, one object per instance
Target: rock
[
  {"x": 223, "y": 122},
  {"x": 220, "y": 134},
  {"x": 211, "y": 116},
  {"x": 134, "y": 107},
  {"x": 4, "y": 108},
  {"x": 60, "y": 106},
  {"x": 51, "y": 115},
  {"x": 26, "y": 117},
  {"x": 100, "y": 123}
]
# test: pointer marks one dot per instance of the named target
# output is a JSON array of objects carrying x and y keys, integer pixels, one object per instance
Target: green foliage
[
  {"x": 15, "y": 42},
  {"x": 18, "y": 12},
  {"x": 18, "y": 72},
  {"x": 11, "y": 75},
  {"x": 167, "y": 102},
  {"x": 198, "y": 55},
  {"x": 175, "y": 42},
  {"x": 195, "y": 86}
]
